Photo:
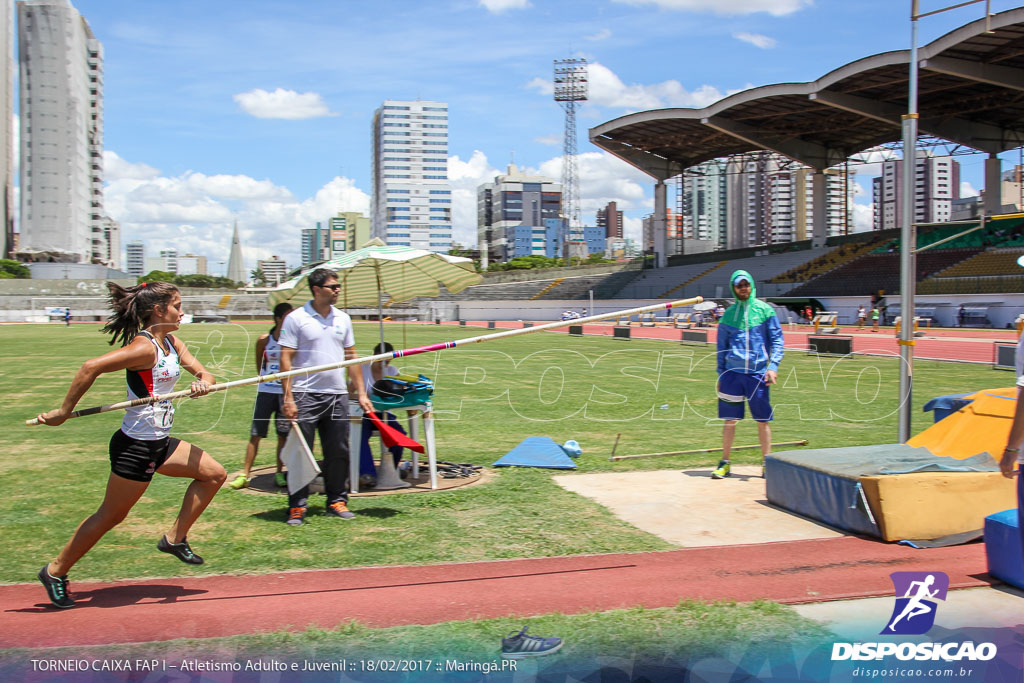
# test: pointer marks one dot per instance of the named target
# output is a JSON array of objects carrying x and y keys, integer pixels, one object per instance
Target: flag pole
[{"x": 382, "y": 356}]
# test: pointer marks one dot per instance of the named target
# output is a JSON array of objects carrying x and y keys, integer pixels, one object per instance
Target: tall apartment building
[
  {"x": 337, "y": 235},
  {"x": 518, "y": 215},
  {"x": 274, "y": 270},
  {"x": 937, "y": 184},
  {"x": 411, "y": 195},
  {"x": 6, "y": 134},
  {"x": 357, "y": 228},
  {"x": 770, "y": 200},
  {"x": 61, "y": 117},
  {"x": 610, "y": 218},
  {"x": 703, "y": 205},
  {"x": 191, "y": 264},
  {"x": 170, "y": 257},
  {"x": 135, "y": 259},
  {"x": 112, "y": 242},
  {"x": 316, "y": 244},
  {"x": 1012, "y": 190}
]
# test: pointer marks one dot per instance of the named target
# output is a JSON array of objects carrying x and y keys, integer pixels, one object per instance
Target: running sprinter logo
[{"x": 916, "y": 593}]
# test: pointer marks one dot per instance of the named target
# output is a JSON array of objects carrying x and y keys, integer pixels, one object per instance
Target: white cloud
[
  {"x": 633, "y": 228},
  {"x": 776, "y": 8},
  {"x": 195, "y": 212},
  {"x": 553, "y": 140},
  {"x": 606, "y": 89},
  {"x": 756, "y": 39},
  {"x": 602, "y": 177},
  {"x": 499, "y": 6},
  {"x": 603, "y": 34},
  {"x": 465, "y": 177},
  {"x": 542, "y": 86},
  {"x": 863, "y": 217},
  {"x": 967, "y": 190},
  {"x": 115, "y": 168},
  {"x": 282, "y": 104}
]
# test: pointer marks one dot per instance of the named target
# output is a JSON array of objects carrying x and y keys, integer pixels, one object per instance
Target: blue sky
[{"x": 260, "y": 111}]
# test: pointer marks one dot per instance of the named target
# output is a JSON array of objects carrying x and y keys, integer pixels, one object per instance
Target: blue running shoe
[{"x": 520, "y": 645}]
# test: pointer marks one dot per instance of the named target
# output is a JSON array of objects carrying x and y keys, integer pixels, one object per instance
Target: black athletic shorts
[
  {"x": 268, "y": 405},
  {"x": 136, "y": 459}
]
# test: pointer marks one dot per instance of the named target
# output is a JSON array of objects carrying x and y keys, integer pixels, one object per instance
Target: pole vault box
[
  {"x": 891, "y": 491},
  {"x": 831, "y": 345}
]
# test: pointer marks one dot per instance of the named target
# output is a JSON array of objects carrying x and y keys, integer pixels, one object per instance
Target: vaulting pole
[{"x": 383, "y": 356}]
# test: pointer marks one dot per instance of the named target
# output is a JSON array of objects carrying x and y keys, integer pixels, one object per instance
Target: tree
[
  {"x": 195, "y": 280},
  {"x": 158, "y": 276},
  {"x": 259, "y": 278},
  {"x": 13, "y": 269}
]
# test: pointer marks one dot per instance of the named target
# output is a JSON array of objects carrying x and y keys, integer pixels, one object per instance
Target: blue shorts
[{"x": 739, "y": 387}]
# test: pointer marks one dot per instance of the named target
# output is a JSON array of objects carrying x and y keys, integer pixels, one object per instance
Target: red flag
[{"x": 393, "y": 437}]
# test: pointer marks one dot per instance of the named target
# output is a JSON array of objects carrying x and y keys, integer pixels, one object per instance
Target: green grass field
[
  {"x": 488, "y": 396},
  {"x": 658, "y": 395}
]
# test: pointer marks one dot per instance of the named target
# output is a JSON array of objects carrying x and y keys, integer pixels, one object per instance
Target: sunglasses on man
[{"x": 334, "y": 288}]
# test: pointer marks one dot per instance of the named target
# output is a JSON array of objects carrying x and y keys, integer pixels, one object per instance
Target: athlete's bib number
[{"x": 163, "y": 414}]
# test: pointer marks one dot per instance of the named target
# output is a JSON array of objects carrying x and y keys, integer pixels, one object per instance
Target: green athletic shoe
[
  {"x": 281, "y": 480},
  {"x": 240, "y": 482},
  {"x": 723, "y": 470}
]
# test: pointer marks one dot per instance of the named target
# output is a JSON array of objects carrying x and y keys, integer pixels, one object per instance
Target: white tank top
[
  {"x": 271, "y": 364},
  {"x": 152, "y": 421}
]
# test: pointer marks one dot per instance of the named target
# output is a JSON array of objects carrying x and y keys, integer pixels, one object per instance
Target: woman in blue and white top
[
  {"x": 268, "y": 401},
  {"x": 143, "y": 319}
]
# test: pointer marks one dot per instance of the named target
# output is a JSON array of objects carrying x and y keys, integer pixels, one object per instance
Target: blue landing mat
[{"x": 537, "y": 451}]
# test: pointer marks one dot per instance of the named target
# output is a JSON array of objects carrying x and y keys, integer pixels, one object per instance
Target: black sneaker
[
  {"x": 182, "y": 551},
  {"x": 520, "y": 645},
  {"x": 56, "y": 588}
]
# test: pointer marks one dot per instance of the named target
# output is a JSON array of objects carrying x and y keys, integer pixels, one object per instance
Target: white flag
[{"x": 296, "y": 456}]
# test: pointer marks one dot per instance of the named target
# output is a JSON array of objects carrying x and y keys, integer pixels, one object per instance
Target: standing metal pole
[{"x": 908, "y": 239}]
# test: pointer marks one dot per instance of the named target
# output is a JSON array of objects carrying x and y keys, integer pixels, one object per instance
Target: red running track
[
  {"x": 205, "y": 607},
  {"x": 955, "y": 345}
]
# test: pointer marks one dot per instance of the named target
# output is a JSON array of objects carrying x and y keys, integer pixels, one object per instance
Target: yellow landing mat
[
  {"x": 924, "y": 505},
  {"x": 981, "y": 426}
]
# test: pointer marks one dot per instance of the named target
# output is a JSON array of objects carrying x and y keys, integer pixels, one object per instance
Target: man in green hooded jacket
[{"x": 749, "y": 352}]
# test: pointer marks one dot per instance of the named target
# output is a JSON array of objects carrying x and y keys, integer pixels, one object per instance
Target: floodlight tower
[{"x": 570, "y": 88}]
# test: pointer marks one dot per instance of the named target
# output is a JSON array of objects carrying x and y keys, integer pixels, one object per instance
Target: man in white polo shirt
[{"x": 320, "y": 334}]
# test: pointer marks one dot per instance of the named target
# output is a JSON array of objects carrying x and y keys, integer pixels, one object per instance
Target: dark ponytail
[{"x": 132, "y": 307}]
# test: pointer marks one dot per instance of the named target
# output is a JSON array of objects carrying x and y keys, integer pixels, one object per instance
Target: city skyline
[{"x": 205, "y": 125}]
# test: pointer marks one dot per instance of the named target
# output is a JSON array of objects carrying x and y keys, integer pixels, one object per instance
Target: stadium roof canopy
[{"x": 971, "y": 92}]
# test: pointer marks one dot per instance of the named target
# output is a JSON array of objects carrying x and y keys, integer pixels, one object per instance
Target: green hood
[{"x": 746, "y": 314}]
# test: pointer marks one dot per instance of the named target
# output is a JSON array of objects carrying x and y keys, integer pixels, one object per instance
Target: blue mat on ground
[
  {"x": 537, "y": 451},
  {"x": 1003, "y": 549}
]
